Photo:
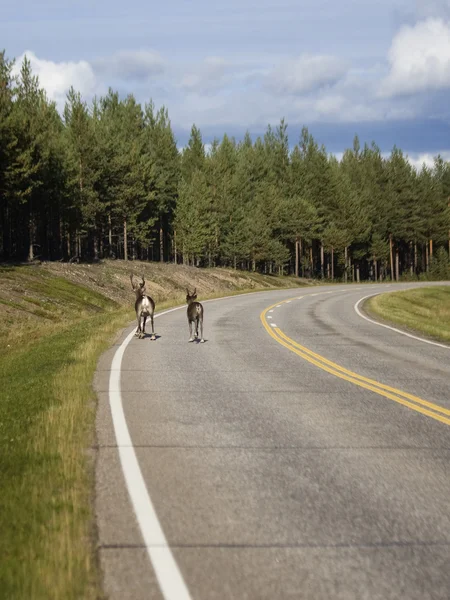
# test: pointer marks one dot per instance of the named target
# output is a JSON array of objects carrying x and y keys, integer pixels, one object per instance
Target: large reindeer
[
  {"x": 144, "y": 307},
  {"x": 194, "y": 314}
]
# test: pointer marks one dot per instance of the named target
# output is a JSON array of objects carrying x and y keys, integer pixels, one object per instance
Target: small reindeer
[
  {"x": 194, "y": 315},
  {"x": 144, "y": 307}
]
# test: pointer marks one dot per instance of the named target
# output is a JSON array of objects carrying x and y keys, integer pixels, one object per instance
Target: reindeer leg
[
  {"x": 138, "y": 325},
  {"x": 143, "y": 325},
  {"x": 201, "y": 331},
  {"x": 196, "y": 328},
  {"x": 191, "y": 339},
  {"x": 153, "y": 329}
]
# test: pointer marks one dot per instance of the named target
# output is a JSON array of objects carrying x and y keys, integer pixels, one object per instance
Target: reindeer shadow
[
  {"x": 149, "y": 335},
  {"x": 197, "y": 341}
]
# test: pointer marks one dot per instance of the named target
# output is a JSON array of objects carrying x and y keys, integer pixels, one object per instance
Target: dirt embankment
[
  {"x": 41, "y": 296},
  {"x": 164, "y": 281}
]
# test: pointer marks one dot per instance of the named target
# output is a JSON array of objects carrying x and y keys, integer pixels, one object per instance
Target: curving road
[{"x": 302, "y": 452}]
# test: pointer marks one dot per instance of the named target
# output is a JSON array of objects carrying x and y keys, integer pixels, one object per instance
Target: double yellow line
[{"x": 439, "y": 413}]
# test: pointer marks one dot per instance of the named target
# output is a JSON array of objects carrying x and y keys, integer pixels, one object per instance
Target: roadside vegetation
[
  {"x": 423, "y": 310},
  {"x": 55, "y": 321}
]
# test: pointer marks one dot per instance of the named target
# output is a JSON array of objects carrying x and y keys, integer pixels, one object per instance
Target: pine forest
[{"x": 106, "y": 180}]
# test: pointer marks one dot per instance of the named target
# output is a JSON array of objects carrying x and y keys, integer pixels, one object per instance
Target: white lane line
[
  {"x": 287, "y": 301},
  {"x": 269, "y": 317},
  {"x": 166, "y": 569},
  {"x": 415, "y": 337},
  {"x": 271, "y": 310},
  {"x": 278, "y": 306},
  {"x": 272, "y": 325}
]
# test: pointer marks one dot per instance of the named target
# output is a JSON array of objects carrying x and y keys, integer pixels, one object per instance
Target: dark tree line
[{"x": 107, "y": 180}]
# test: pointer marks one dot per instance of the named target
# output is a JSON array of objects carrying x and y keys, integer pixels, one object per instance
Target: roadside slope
[{"x": 423, "y": 311}]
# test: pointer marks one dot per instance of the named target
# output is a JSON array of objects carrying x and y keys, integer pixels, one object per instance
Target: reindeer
[
  {"x": 144, "y": 307},
  {"x": 194, "y": 314}
]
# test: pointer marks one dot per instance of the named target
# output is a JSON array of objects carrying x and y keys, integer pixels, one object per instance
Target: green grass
[
  {"x": 423, "y": 310},
  {"x": 52, "y": 333},
  {"x": 47, "y": 411}
]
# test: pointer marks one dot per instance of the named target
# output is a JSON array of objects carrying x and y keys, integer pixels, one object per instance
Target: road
[{"x": 301, "y": 452}]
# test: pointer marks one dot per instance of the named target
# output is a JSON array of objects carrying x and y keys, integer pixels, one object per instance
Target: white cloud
[
  {"x": 419, "y": 59},
  {"x": 304, "y": 74},
  {"x": 206, "y": 77},
  {"x": 130, "y": 65},
  {"x": 57, "y": 78},
  {"x": 415, "y": 159}
]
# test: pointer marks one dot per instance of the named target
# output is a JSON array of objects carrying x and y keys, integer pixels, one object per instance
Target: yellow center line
[{"x": 422, "y": 406}]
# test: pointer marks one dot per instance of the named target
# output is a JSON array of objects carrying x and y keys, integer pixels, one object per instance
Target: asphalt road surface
[{"x": 301, "y": 452}]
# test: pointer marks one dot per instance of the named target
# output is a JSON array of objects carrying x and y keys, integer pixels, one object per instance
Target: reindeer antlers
[{"x": 132, "y": 282}]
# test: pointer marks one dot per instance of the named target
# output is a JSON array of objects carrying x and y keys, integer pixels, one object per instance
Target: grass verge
[
  {"x": 422, "y": 310},
  {"x": 47, "y": 413}
]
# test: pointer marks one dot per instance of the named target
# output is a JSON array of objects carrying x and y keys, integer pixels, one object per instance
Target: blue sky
[{"x": 380, "y": 69}]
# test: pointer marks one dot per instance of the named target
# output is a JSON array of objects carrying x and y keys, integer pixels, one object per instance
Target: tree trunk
[
  {"x": 296, "y": 256},
  {"x": 31, "y": 238},
  {"x": 109, "y": 235},
  {"x": 322, "y": 270},
  {"x": 375, "y": 269},
  {"x": 95, "y": 241},
  {"x": 411, "y": 259},
  {"x": 392, "y": 256},
  {"x": 311, "y": 260},
  {"x": 415, "y": 257},
  {"x": 427, "y": 260},
  {"x": 125, "y": 240},
  {"x": 161, "y": 241},
  {"x": 332, "y": 263},
  {"x": 346, "y": 264},
  {"x": 396, "y": 265},
  {"x": 300, "y": 256},
  {"x": 431, "y": 250},
  {"x": 357, "y": 274},
  {"x": 175, "y": 258}
]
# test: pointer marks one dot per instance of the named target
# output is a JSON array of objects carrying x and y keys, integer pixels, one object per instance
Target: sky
[{"x": 380, "y": 70}]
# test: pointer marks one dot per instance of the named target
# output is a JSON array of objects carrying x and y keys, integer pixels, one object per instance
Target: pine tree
[
  {"x": 24, "y": 175},
  {"x": 193, "y": 156},
  {"x": 83, "y": 156},
  {"x": 7, "y": 142},
  {"x": 193, "y": 218},
  {"x": 161, "y": 147}
]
